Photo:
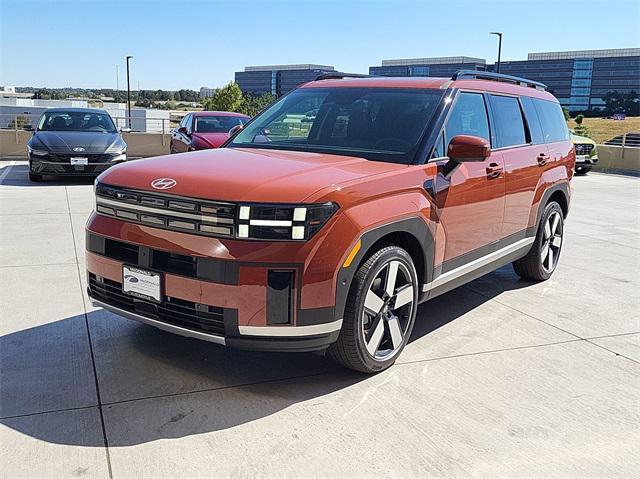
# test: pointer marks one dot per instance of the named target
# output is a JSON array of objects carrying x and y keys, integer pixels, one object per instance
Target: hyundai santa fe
[{"x": 324, "y": 231}]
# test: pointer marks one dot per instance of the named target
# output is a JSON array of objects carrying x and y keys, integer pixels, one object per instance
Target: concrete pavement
[{"x": 501, "y": 378}]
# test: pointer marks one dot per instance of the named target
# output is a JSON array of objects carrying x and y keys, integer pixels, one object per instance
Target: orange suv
[{"x": 323, "y": 222}]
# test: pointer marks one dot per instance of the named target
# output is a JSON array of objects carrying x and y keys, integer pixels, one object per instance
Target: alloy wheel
[
  {"x": 551, "y": 242},
  {"x": 388, "y": 309}
]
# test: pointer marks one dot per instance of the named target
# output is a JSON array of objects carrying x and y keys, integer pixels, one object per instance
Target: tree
[
  {"x": 227, "y": 98},
  {"x": 565, "y": 112},
  {"x": 632, "y": 104},
  {"x": 614, "y": 101},
  {"x": 252, "y": 104}
]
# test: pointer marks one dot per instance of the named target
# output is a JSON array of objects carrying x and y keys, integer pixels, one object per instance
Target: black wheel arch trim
[
  {"x": 563, "y": 188},
  {"x": 414, "y": 226}
]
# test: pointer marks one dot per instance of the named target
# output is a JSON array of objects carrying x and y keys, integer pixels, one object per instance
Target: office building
[
  {"x": 579, "y": 79},
  {"x": 278, "y": 79},
  {"x": 427, "y": 67}
]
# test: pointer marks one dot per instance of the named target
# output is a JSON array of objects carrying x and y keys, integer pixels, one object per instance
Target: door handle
[
  {"x": 543, "y": 159},
  {"x": 494, "y": 170}
]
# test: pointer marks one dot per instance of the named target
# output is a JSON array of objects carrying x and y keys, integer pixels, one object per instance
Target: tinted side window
[
  {"x": 533, "y": 122},
  {"x": 508, "y": 121},
  {"x": 468, "y": 117},
  {"x": 554, "y": 126},
  {"x": 189, "y": 123}
]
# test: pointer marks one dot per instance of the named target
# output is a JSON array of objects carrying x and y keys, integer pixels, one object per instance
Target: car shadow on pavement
[
  {"x": 18, "y": 175},
  {"x": 156, "y": 385}
]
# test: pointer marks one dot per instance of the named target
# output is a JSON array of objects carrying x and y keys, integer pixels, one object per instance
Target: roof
[
  {"x": 218, "y": 113},
  {"x": 431, "y": 83},
  {"x": 431, "y": 61},
  {"x": 569, "y": 55},
  {"x": 301, "y": 66},
  {"x": 77, "y": 110}
]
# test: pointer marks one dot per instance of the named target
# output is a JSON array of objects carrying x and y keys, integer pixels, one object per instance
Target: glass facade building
[
  {"x": 579, "y": 79},
  {"x": 278, "y": 79},
  {"x": 423, "y": 67}
]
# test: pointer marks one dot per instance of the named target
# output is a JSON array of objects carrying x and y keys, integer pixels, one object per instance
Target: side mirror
[
  {"x": 464, "y": 148},
  {"x": 183, "y": 130},
  {"x": 235, "y": 129}
]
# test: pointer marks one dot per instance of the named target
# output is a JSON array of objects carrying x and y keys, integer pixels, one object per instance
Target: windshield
[
  {"x": 76, "y": 121},
  {"x": 218, "y": 124},
  {"x": 384, "y": 124}
]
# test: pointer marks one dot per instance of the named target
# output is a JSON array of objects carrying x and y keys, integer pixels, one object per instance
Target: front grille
[
  {"x": 583, "y": 148},
  {"x": 178, "y": 312},
  {"x": 190, "y": 215},
  {"x": 60, "y": 158}
]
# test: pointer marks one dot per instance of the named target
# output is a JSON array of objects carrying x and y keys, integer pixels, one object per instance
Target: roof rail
[
  {"x": 479, "y": 75},
  {"x": 338, "y": 76}
]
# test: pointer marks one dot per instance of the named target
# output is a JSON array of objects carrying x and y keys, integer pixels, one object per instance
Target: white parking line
[{"x": 5, "y": 170}]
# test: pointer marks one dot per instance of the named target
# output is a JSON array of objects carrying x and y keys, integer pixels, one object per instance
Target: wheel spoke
[
  {"x": 375, "y": 337},
  {"x": 403, "y": 296},
  {"x": 550, "y": 259},
  {"x": 547, "y": 230},
  {"x": 392, "y": 274},
  {"x": 557, "y": 241},
  {"x": 556, "y": 222},
  {"x": 373, "y": 303},
  {"x": 395, "y": 331},
  {"x": 544, "y": 253}
]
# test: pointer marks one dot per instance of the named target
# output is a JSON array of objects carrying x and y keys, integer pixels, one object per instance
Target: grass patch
[{"x": 602, "y": 129}]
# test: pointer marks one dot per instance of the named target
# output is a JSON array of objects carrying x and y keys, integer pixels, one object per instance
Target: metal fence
[{"x": 27, "y": 121}]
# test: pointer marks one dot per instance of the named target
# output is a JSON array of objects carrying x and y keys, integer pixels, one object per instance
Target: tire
[
  {"x": 376, "y": 326},
  {"x": 582, "y": 170},
  {"x": 34, "y": 177},
  {"x": 542, "y": 260}
]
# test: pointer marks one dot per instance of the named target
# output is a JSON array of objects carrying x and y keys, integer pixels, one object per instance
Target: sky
[{"x": 188, "y": 44}]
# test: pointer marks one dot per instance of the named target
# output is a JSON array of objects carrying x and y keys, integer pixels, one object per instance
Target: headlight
[
  {"x": 37, "y": 152},
  {"x": 282, "y": 222},
  {"x": 120, "y": 157}
]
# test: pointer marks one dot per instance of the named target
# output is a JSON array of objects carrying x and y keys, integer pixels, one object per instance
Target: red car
[
  {"x": 204, "y": 130},
  {"x": 324, "y": 235}
]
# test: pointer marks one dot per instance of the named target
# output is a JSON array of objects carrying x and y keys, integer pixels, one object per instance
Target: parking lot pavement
[{"x": 501, "y": 378}]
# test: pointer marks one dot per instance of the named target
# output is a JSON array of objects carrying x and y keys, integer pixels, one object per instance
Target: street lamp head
[
  {"x": 129, "y": 56},
  {"x": 496, "y": 33}
]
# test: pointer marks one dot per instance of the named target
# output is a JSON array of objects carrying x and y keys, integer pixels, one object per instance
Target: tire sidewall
[
  {"x": 549, "y": 209},
  {"x": 361, "y": 287}
]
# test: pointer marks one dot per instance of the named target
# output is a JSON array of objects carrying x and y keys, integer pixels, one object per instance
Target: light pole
[
  {"x": 499, "y": 34},
  {"x": 128, "y": 93}
]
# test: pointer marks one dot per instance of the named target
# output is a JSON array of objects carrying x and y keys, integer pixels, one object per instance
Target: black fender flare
[
  {"x": 414, "y": 226},
  {"x": 563, "y": 187}
]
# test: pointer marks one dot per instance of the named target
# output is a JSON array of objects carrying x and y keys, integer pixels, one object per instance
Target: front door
[{"x": 469, "y": 200}]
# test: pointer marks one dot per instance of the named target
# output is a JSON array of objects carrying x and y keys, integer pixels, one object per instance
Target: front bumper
[
  {"x": 210, "y": 296},
  {"x": 586, "y": 160},
  {"x": 60, "y": 165}
]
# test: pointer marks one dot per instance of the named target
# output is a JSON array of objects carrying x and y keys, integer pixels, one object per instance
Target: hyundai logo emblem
[
  {"x": 130, "y": 279},
  {"x": 78, "y": 148},
  {"x": 163, "y": 183}
]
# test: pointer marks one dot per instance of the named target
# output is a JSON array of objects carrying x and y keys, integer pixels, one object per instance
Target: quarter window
[
  {"x": 468, "y": 117},
  {"x": 552, "y": 119},
  {"x": 508, "y": 121}
]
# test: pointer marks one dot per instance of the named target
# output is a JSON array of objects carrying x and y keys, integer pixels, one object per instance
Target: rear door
[
  {"x": 470, "y": 200},
  {"x": 519, "y": 140}
]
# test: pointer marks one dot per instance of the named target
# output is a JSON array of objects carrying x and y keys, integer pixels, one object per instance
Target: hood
[
  {"x": 65, "y": 141},
  {"x": 581, "y": 139},
  {"x": 213, "y": 139},
  {"x": 252, "y": 175}
]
